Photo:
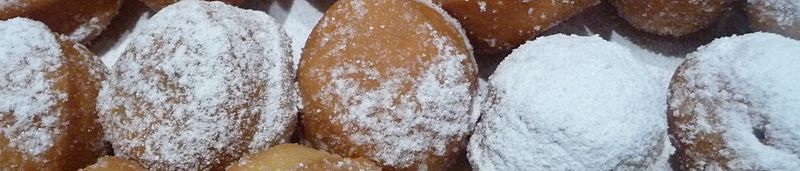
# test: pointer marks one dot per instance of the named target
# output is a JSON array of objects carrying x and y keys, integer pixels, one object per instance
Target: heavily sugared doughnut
[
  {"x": 391, "y": 81},
  {"x": 297, "y": 157},
  {"x": 200, "y": 85},
  {"x": 48, "y": 88},
  {"x": 79, "y": 20},
  {"x": 496, "y": 27},
  {"x": 777, "y": 16},
  {"x": 570, "y": 103},
  {"x": 158, "y": 4},
  {"x": 671, "y": 17},
  {"x": 112, "y": 163},
  {"x": 735, "y": 105}
]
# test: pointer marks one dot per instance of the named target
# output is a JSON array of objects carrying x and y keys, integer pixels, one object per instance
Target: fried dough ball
[
  {"x": 48, "y": 89},
  {"x": 734, "y": 105},
  {"x": 297, "y": 157},
  {"x": 496, "y": 27},
  {"x": 201, "y": 84},
  {"x": 777, "y": 16},
  {"x": 571, "y": 103},
  {"x": 390, "y": 81},
  {"x": 79, "y": 20},
  {"x": 158, "y": 4},
  {"x": 671, "y": 17},
  {"x": 112, "y": 163}
]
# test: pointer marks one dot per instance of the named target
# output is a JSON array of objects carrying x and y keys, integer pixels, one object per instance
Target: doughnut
[
  {"x": 79, "y": 20},
  {"x": 390, "y": 81},
  {"x": 777, "y": 16},
  {"x": 570, "y": 103},
  {"x": 734, "y": 105},
  {"x": 671, "y": 17},
  {"x": 200, "y": 85},
  {"x": 158, "y": 4},
  {"x": 112, "y": 163},
  {"x": 48, "y": 90},
  {"x": 496, "y": 27},
  {"x": 297, "y": 157}
]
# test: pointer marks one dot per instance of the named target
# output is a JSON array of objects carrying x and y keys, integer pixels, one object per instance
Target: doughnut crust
[
  {"x": 297, "y": 157},
  {"x": 390, "y": 81},
  {"x": 671, "y": 17},
  {"x": 776, "y": 16},
  {"x": 79, "y": 20},
  {"x": 113, "y": 163},
  {"x": 496, "y": 27},
  {"x": 202, "y": 84},
  {"x": 733, "y": 105},
  {"x": 158, "y": 4},
  {"x": 49, "y": 86}
]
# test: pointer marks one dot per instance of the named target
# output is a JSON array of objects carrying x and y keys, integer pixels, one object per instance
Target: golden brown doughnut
[
  {"x": 671, "y": 17},
  {"x": 496, "y": 27},
  {"x": 79, "y": 20},
  {"x": 390, "y": 81},
  {"x": 113, "y": 163},
  {"x": 48, "y": 117},
  {"x": 297, "y": 157},
  {"x": 777, "y": 16},
  {"x": 201, "y": 84},
  {"x": 733, "y": 105},
  {"x": 158, "y": 4}
]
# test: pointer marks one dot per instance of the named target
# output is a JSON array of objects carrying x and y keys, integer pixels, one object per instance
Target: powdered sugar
[
  {"x": 786, "y": 13},
  {"x": 740, "y": 85},
  {"x": 201, "y": 80},
  {"x": 11, "y": 3},
  {"x": 570, "y": 103},
  {"x": 31, "y": 56}
]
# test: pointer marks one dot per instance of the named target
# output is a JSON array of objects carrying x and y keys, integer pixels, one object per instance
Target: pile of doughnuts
[{"x": 395, "y": 85}]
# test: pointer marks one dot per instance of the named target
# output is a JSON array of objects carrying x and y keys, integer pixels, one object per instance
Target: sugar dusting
[
  {"x": 29, "y": 53},
  {"x": 786, "y": 13},
  {"x": 753, "y": 83},
  {"x": 402, "y": 125},
  {"x": 217, "y": 67},
  {"x": 570, "y": 103},
  {"x": 4, "y": 4}
]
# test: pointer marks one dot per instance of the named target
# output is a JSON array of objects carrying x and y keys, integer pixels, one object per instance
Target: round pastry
[
  {"x": 297, "y": 157},
  {"x": 390, "y": 81},
  {"x": 200, "y": 85},
  {"x": 112, "y": 163},
  {"x": 777, "y": 16},
  {"x": 158, "y": 4},
  {"x": 671, "y": 17},
  {"x": 570, "y": 103},
  {"x": 734, "y": 105},
  {"x": 79, "y": 20},
  {"x": 496, "y": 27},
  {"x": 48, "y": 90}
]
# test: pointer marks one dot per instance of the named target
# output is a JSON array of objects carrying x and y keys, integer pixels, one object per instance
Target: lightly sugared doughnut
[
  {"x": 48, "y": 90},
  {"x": 390, "y": 81},
  {"x": 112, "y": 163},
  {"x": 671, "y": 17},
  {"x": 734, "y": 104},
  {"x": 158, "y": 4},
  {"x": 79, "y": 20},
  {"x": 200, "y": 85},
  {"x": 297, "y": 157},
  {"x": 570, "y": 103},
  {"x": 496, "y": 27},
  {"x": 777, "y": 16}
]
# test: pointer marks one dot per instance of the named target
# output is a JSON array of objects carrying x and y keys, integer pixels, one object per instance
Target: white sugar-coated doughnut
[
  {"x": 777, "y": 16},
  {"x": 735, "y": 105},
  {"x": 200, "y": 85},
  {"x": 570, "y": 103},
  {"x": 48, "y": 88}
]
